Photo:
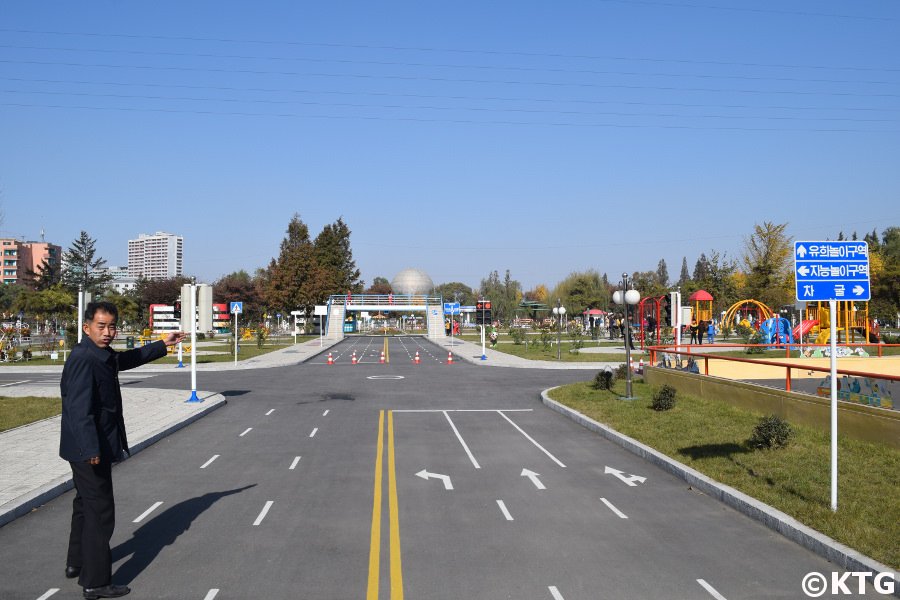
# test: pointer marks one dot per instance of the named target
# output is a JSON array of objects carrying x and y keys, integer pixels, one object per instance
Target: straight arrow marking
[
  {"x": 534, "y": 478},
  {"x": 445, "y": 478},
  {"x": 628, "y": 479}
]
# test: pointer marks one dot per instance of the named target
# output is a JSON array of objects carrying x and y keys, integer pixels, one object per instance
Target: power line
[
  {"x": 451, "y": 50},
  {"x": 456, "y": 121},
  {"x": 443, "y": 108},
  {"x": 383, "y": 63},
  {"x": 441, "y": 79}
]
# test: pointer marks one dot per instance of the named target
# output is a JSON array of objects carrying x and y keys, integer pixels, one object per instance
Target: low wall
[{"x": 854, "y": 420}]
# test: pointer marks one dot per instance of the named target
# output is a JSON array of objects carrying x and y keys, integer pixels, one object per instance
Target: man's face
[{"x": 101, "y": 329}]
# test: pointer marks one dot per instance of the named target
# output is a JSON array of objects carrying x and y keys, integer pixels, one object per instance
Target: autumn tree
[
  {"x": 380, "y": 285},
  {"x": 768, "y": 261},
  {"x": 580, "y": 291},
  {"x": 295, "y": 281}
]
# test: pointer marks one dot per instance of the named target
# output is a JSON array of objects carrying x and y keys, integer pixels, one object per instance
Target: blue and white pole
[
  {"x": 180, "y": 363},
  {"x": 193, "y": 314}
]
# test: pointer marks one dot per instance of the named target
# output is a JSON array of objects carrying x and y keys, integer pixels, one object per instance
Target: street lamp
[
  {"x": 626, "y": 297},
  {"x": 560, "y": 311}
]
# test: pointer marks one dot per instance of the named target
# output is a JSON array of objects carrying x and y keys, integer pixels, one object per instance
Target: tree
[
  {"x": 504, "y": 295},
  {"x": 580, "y": 291},
  {"x": 335, "y": 258},
  {"x": 380, "y": 285},
  {"x": 884, "y": 268},
  {"x": 47, "y": 275},
  {"x": 295, "y": 281},
  {"x": 240, "y": 287},
  {"x": 685, "y": 276},
  {"x": 456, "y": 289},
  {"x": 538, "y": 293},
  {"x": 701, "y": 268},
  {"x": 155, "y": 291},
  {"x": 81, "y": 268},
  {"x": 662, "y": 273},
  {"x": 767, "y": 260}
]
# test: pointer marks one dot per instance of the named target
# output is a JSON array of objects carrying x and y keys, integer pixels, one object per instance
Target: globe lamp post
[
  {"x": 626, "y": 298},
  {"x": 560, "y": 311}
]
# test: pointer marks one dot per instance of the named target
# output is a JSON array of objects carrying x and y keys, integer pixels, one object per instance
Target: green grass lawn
[
  {"x": 711, "y": 437},
  {"x": 15, "y": 412}
]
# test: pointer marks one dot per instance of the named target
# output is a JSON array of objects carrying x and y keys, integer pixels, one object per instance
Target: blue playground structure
[{"x": 776, "y": 330}]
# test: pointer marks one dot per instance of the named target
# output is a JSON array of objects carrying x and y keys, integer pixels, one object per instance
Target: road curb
[
  {"x": 60, "y": 485},
  {"x": 833, "y": 551}
]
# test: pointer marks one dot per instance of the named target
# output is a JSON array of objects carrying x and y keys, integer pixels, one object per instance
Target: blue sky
[{"x": 540, "y": 137}]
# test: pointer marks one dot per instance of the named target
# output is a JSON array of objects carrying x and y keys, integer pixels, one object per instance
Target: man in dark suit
[{"x": 92, "y": 438}]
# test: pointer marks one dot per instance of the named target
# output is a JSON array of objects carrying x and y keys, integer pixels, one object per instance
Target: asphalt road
[{"x": 423, "y": 481}]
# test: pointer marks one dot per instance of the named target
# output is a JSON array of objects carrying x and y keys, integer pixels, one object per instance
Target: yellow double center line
[{"x": 394, "y": 517}]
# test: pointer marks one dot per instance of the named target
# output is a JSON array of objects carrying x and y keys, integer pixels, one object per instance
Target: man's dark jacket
[{"x": 92, "y": 420}]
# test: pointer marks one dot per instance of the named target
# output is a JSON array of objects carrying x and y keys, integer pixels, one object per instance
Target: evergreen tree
[
  {"x": 47, "y": 275},
  {"x": 335, "y": 258},
  {"x": 81, "y": 268},
  {"x": 662, "y": 273},
  {"x": 296, "y": 281},
  {"x": 701, "y": 268},
  {"x": 685, "y": 275}
]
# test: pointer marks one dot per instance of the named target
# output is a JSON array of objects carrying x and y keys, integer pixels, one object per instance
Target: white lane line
[
  {"x": 209, "y": 462},
  {"x": 262, "y": 515},
  {"x": 313, "y": 433},
  {"x": 15, "y": 383},
  {"x": 614, "y": 509},
  {"x": 294, "y": 464},
  {"x": 505, "y": 512},
  {"x": 270, "y": 412},
  {"x": 712, "y": 591},
  {"x": 211, "y": 594},
  {"x": 325, "y": 414},
  {"x": 462, "y": 441},
  {"x": 555, "y": 593},
  {"x": 531, "y": 439},
  {"x": 48, "y": 593},
  {"x": 246, "y": 431},
  {"x": 147, "y": 512}
]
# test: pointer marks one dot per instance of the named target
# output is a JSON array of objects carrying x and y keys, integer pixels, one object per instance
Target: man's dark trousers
[{"x": 93, "y": 521}]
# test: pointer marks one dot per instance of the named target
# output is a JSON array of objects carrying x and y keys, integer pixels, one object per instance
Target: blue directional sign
[
  {"x": 237, "y": 308},
  {"x": 451, "y": 308},
  {"x": 832, "y": 270}
]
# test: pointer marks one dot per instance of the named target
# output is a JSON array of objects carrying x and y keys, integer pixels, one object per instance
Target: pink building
[{"x": 21, "y": 258}]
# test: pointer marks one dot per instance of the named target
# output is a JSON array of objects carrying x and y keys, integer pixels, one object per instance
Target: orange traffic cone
[
  {"x": 641, "y": 366},
  {"x": 382, "y": 357},
  {"x": 449, "y": 358},
  {"x": 330, "y": 359},
  {"x": 353, "y": 358},
  {"x": 416, "y": 359}
]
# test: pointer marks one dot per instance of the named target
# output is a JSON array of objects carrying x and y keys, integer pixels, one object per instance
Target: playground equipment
[
  {"x": 776, "y": 330},
  {"x": 701, "y": 304},
  {"x": 852, "y": 321},
  {"x": 650, "y": 311},
  {"x": 748, "y": 313}
]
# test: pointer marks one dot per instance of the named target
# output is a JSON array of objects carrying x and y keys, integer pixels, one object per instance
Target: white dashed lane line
[
  {"x": 555, "y": 593},
  {"x": 271, "y": 410},
  {"x": 211, "y": 594},
  {"x": 209, "y": 462},
  {"x": 325, "y": 414},
  {"x": 712, "y": 591},
  {"x": 246, "y": 431},
  {"x": 503, "y": 509},
  {"x": 147, "y": 512},
  {"x": 613, "y": 508},
  {"x": 294, "y": 464},
  {"x": 48, "y": 593},
  {"x": 313, "y": 432},
  {"x": 265, "y": 511}
]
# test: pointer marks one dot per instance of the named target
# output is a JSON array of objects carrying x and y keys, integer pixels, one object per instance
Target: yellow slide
[{"x": 824, "y": 335}]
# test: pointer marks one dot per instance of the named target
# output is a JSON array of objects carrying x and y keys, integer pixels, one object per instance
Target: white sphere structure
[{"x": 412, "y": 281}]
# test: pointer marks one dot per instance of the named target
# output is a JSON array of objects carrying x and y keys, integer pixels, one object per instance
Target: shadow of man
[{"x": 161, "y": 531}]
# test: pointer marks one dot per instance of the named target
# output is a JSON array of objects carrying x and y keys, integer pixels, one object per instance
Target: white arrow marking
[
  {"x": 629, "y": 479},
  {"x": 804, "y": 270},
  {"x": 534, "y": 478},
  {"x": 801, "y": 251},
  {"x": 858, "y": 290},
  {"x": 445, "y": 478}
]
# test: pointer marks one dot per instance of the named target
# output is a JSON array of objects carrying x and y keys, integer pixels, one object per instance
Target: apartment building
[
  {"x": 156, "y": 256},
  {"x": 20, "y": 258}
]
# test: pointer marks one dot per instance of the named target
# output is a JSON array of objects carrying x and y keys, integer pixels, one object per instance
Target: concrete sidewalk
[
  {"x": 33, "y": 473},
  {"x": 471, "y": 352}
]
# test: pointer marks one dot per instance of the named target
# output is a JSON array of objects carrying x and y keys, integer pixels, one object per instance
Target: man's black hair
[{"x": 107, "y": 307}]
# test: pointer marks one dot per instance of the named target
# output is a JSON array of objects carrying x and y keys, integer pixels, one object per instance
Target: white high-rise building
[{"x": 157, "y": 256}]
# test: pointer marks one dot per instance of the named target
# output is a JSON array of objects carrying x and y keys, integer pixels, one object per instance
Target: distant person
[
  {"x": 711, "y": 333},
  {"x": 92, "y": 438},
  {"x": 694, "y": 328},
  {"x": 701, "y": 326}
]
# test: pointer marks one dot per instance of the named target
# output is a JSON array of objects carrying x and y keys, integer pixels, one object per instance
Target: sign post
[
  {"x": 832, "y": 271},
  {"x": 236, "y": 309},
  {"x": 451, "y": 308},
  {"x": 193, "y": 313}
]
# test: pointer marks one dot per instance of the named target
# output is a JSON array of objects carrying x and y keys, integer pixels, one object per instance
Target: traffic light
[
  {"x": 483, "y": 312},
  {"x": 178, "y": 310},
  {"x": 667, "y": 310}
]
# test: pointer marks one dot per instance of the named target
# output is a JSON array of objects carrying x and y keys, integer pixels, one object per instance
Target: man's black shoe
[
  {"x": 107, "y": 591},
  {"x": 72, "y": 572}
]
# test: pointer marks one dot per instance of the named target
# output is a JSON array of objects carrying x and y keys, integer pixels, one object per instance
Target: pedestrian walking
[
  {"x": 92, "y": 438},
  {"x": 701, "y": 327},
  {"x": 693, "y": 328},
  {"x": 711, "y": 333}
]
